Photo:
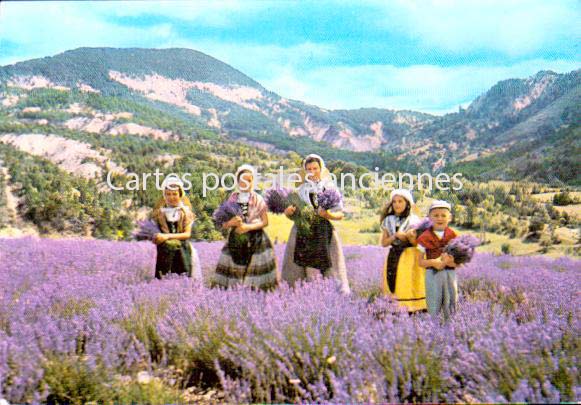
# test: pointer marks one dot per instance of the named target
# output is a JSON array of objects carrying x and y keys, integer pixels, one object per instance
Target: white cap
[
  {"x": 313, "y": 155},
  {"x": 440, "y": 204},
  {"x": 245, "y": 168},
  {"x": 172, "y": 182},
  {"x": 404, "y": 193}
]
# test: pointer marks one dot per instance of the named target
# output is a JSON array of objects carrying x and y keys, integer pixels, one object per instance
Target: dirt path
[{"x": 15, "y": 224}]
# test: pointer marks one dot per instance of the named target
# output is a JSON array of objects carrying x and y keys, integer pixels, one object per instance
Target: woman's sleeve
[
  {"x": 189, "y": 214},
  {"x": 261, "y": 207},
  {"x": 383, "y": 224},
  {"x": 154, "y": 216}
]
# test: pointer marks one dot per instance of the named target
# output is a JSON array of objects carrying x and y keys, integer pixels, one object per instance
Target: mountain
[
  {"x": 510, "y": 115},
  {"x": 92, "y": 66},
  {"x": 68, "y": 120},
  {"x": 553, "y": 158},
  {"x": 218, "y": 95},
  {"x": 211, "y": 98}
]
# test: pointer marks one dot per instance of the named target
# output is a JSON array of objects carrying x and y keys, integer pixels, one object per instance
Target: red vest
[{"x": 434, "y": 246}]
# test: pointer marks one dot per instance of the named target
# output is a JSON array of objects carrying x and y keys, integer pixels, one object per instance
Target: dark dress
[
  {"x": 321, "y": 250},
  {"x": 174, "y": 257},
  {"x": 397, "y": 248},
  {"x": 313, "y": 250}
]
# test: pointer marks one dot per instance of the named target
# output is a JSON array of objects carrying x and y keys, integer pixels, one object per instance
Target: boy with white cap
[{"x": 441, "y": 282}]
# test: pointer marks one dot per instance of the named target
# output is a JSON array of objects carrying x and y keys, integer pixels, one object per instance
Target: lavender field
[{"x": 84, "y": 321}]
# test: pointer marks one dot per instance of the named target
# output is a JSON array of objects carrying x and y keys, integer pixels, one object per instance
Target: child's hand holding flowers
[
  {"x": 241, "y": 229},
  {"x": 401, "y": 235},
  {"x": 323, "y": 213},
  {"x": 160, "y": 238},
  {"x": 448, "y": 260}
]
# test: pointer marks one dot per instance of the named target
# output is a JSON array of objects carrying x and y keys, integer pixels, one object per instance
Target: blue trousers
[{"x": 441, "y": 291}]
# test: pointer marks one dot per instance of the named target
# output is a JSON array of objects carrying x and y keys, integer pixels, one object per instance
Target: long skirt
[
  {"x": 183, "y": 260},
  {"x": 252, "y": 263},
  {"x": 291, "y": 272},
  {"x": 410, "y": 289}
]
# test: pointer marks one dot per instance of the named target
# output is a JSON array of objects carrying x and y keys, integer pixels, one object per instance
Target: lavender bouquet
[
  {"x": 224, "y": 213},
  {"x": 422, "y": 226},
  {"x": 462, "y": 248},
  {"x": 277, "y": 199},
  {"x": 304, "y": 214},
  {"x": 146, "y": 230},
  {"x": 329, "y": 198}
]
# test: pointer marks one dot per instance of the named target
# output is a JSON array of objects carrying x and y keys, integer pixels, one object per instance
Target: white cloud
[
  {"x": 513, "y": 27},
  {"x": 295, "y": 71},
  {"x": 54, "y": 27},
  {"x": 261, "y": 61},
  {"x": 60, "y": 27},
  {"x": 210, "y": 13},
  {"x": 427, "y": 88}
]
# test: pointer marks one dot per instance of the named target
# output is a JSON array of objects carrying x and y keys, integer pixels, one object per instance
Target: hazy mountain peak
[
  {"x": 91, "y": 65},
  {"x": 216, "y": 96}
]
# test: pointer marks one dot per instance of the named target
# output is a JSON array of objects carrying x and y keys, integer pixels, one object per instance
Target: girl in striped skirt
[{"x": 248, "y": 256}]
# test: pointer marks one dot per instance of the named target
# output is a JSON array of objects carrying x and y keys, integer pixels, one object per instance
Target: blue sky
[{"x": 427, "y": 56}]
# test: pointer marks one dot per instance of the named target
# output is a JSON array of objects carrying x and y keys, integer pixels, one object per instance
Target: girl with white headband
[
  {"x": 403, "y": 278},
  {"x": 253, "y": 263},
  {"x": 174, "y": 216},
  {"x": 320, "y": 252}
]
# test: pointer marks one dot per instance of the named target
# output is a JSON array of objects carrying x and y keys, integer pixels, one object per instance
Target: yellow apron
[{"x": 410, "y": 284}]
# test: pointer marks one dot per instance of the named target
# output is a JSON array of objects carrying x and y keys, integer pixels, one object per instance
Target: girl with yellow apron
[{"x": 403, "y": 279}]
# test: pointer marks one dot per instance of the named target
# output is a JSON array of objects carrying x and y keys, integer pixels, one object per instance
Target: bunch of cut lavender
[
  {"x": 330, "y": 198},
  {"x": 146, "y": 230},
  {"x": 422, "y": 226},
  {"x": 304, "y": 214},
  {"x": 277, "y": 199},
  {"x": 225, "y": 212},
  {"x": 462, "y": 248}
]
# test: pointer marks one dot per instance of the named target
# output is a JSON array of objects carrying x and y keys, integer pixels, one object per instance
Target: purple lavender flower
[
  {"x": 277, "y": 199},
  {"x": 301, "y": 344},
  {"x": 329, "y": 198},
  {"x": 423, "y": 225},
  {"x": 225, "y": 212},
  {"x": 147, "y": 230},
  {"x": 462, "y": 248}
]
